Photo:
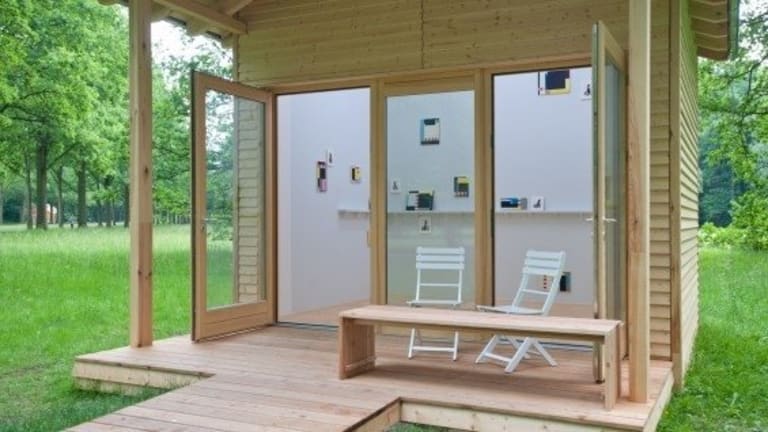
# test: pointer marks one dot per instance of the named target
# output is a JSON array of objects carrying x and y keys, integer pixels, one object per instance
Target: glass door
[
  {"x": 429, "y": 134},
  {"x": 608, "y": 70},
  {"x": 231, "y": 195}
]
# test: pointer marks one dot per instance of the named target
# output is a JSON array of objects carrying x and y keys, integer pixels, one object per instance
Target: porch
[{"x": 285, "y": 378}]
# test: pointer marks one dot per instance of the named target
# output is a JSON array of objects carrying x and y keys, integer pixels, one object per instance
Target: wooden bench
[{"x": 357, "y": 352}]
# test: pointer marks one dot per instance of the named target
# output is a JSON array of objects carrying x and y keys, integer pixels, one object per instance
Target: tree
[{"x": 734, "y": 105}]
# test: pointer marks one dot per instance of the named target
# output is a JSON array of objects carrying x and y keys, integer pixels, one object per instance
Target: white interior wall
[
  {"x": 323, "y": 257},
  {"x": 543, "y": 147}
]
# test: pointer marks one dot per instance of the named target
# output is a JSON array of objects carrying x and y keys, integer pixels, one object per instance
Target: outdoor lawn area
[{"x": 64, "y": 293}]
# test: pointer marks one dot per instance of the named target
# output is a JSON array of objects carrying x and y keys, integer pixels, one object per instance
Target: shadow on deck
[{"x": 285, "y": 379}]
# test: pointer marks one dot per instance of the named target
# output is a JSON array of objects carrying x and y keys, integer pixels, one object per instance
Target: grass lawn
[
  {"x": 64, "y": 293},
  {"x": 727, "y": 384}
]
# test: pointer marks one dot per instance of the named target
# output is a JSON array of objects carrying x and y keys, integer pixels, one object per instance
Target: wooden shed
[{"x": 628, "y": 65}]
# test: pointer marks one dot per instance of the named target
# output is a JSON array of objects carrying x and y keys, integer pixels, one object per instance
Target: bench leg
[
  {"x": 612, "y": 369},
  {"x": 357, "y": 348}
]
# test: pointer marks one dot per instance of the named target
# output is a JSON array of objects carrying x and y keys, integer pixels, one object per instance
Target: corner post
[
  {"x": 140, "y": 84},
  {"x": 638, "y": 167}
]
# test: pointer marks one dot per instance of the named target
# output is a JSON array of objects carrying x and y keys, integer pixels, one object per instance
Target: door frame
[{"x": 228, "y": 319}]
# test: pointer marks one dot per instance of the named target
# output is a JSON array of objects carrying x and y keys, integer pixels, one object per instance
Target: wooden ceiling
[{"x": 714, "y": 21}]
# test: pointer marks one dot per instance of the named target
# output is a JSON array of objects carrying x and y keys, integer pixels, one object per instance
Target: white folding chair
[
  {"x": 439, "y": 275},
  {"x": 544, "y": 264}
]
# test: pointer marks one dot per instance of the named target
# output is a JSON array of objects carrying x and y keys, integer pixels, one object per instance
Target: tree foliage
[{"x": 734, "y": 107}]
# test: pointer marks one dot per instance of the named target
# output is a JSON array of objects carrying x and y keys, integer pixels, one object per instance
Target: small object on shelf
[
  {"x": 510, "y": 203},
  {"x": 537, "y": 203},
  {"x": 420, "y": 200},
  {"x": 425, "y": 224},
  {"x": 461, "y": 186}
]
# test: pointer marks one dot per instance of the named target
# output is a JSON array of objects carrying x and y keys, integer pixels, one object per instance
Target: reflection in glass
[{"x": 234, "y": 188}]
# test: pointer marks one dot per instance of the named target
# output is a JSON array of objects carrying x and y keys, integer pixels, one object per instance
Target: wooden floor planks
[{"x": 284, "y": 379}]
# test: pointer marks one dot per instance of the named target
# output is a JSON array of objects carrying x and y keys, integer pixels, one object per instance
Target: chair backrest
[
  {"x": 445, "y": 261},
  {"x": 546, "y": 264}
]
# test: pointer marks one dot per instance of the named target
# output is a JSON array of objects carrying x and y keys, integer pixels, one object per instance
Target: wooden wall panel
[
  {"x": 685, "y": 200},
  {"x": 299, "y": 39},
  {"x": 304, "y": 40}
]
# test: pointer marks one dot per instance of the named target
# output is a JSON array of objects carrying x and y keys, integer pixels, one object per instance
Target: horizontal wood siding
[
  {"x": 303, "y": 40},
  {"x": 689, "y": 192},
  {"x": 250, "y": 240},
  {"x": 660, "y": 185}
]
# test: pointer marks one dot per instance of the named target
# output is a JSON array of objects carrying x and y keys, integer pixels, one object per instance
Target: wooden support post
[
  {"x": 140, "y": 79},
  {"x": 638, "y": 168}
]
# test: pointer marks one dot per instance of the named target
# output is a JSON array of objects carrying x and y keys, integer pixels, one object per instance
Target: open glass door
[
  {"x": 231, "y": 197},
  {"x": 609, "y": 109}
]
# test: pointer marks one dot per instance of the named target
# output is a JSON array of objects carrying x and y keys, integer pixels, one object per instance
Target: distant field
[{"x": 65, "y": 292}]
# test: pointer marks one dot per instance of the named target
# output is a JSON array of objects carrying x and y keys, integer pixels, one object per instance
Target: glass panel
[
  {"x": 430, "y": 172},
  {"x": 234, "y": 200},
  {"x": 614, "y": 198},
  {"x": 323, "y": 266},
  {"x": 543, "y": 155}
]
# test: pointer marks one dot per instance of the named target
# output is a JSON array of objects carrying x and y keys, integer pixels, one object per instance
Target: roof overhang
[
  {"x": 716, "y": 26},
  {"x": 215, "y": 18}
]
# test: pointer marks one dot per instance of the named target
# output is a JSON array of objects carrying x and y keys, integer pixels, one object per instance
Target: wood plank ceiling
[{"x": 711, "y": 20}]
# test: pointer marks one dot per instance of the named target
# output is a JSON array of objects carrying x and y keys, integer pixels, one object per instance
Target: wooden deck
[{"x": 285, "y": 379}]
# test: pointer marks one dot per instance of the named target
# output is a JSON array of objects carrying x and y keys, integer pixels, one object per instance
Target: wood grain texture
[
  {"x": 140, "y": 80},
  {"x": 639, "y": 173},
  {"x": 284, "y": 377}
]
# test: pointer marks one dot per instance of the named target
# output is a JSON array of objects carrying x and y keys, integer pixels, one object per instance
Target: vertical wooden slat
[
  {"x": 378, "y": 204},
  {"x": 483, "y": 181},
  {"x": 140, "y": 78},
  {"x": 638, "y": 167},
  {"x": 674, "y": 189}
]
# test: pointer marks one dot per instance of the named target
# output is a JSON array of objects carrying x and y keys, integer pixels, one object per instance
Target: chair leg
[
  {"x": 518, "y": 355},
  {"x": 489, "y": 347},
  {"x": 544, "y": 353},
  {"x": 515, "y": 344}
]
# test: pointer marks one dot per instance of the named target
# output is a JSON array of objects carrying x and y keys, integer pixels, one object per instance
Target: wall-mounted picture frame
[
  {"x": 555, "y": 82},
  {"x": 430, "y": 131},
  {"x": 395, "y": 186},
  {"x": 321, "y": 173},
  {"x": 355, "y": 174}
]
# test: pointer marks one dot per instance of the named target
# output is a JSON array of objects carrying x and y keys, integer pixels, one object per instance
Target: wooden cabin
[{"x": 360, "y": 130}]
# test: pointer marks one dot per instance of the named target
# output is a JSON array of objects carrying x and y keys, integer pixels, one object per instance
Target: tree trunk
[
  {"x": 2, "y": 204},
  {"x": 42, "y": 184},
  {"x": 28, "y": 197},
  {"x": 60, "y": 195},
  {"x": 110, "y": 212},
  {"x": 126, "y": 205},
  {"x": 82, "y": 206}
]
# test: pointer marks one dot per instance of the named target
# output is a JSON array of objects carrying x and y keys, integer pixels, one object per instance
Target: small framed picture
[
  {"x": 329, "y": 156},
  {"x": 395, "y": 187},
  {"x": 356, "y": 175},
  {"x": 425, "y": 224}
]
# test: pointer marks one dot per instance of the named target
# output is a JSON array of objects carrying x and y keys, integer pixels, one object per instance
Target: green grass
[
  {"x": 727, "y": 385},
  {"x": 63, "y": 293}
]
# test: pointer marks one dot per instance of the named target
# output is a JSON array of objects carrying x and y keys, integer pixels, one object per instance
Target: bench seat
[{"x": 357, "y": 334}]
